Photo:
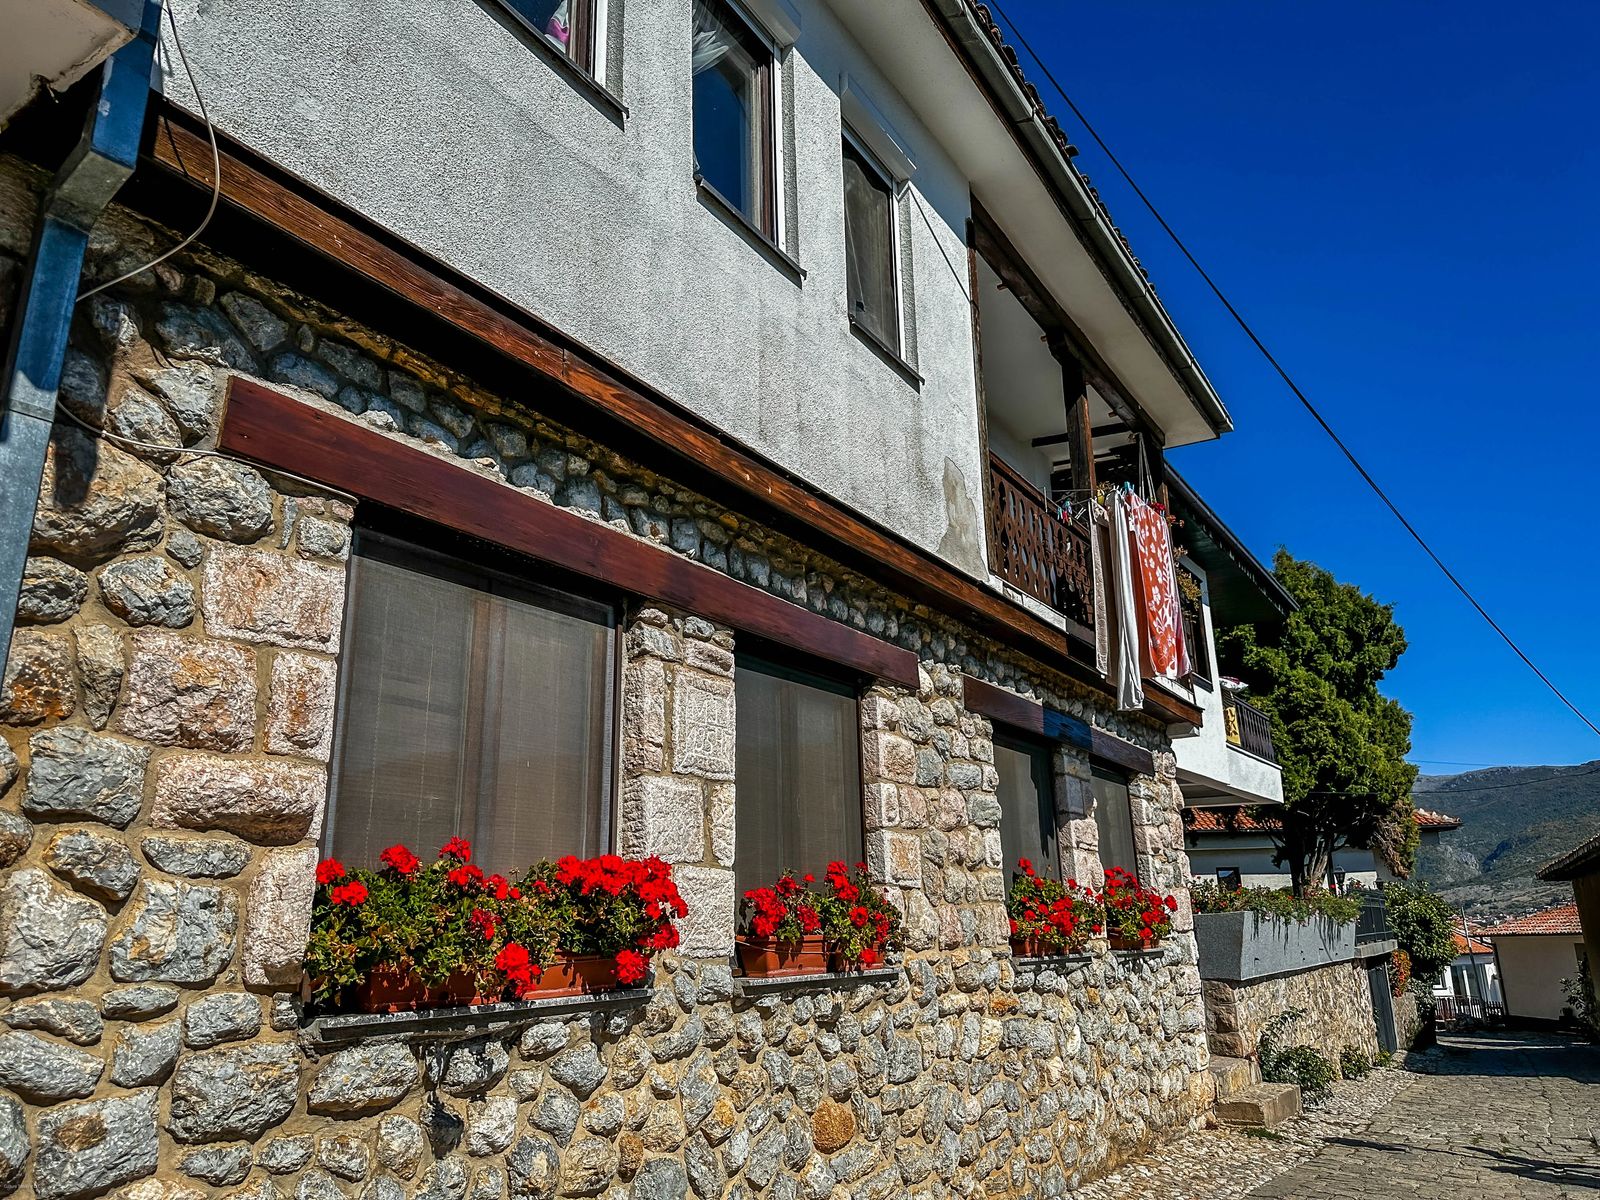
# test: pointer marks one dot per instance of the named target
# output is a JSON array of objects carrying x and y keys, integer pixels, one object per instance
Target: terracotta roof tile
[
  {"x": 1237, "y": 820},
  {"x": 1474, "y": 947},
  {"x": 1562, "y": 919}
]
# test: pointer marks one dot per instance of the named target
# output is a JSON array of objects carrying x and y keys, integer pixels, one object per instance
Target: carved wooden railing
[
  {"x": 1248, "y": 728},
  {"x": 1033, "y": 548}
]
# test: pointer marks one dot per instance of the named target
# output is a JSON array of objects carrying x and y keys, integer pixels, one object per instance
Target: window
[
  {"x": 1229, "y": 879},
  {"x": 471, "y": 704},
  {"x": 871, "y": 254},
  {"x": 1027, "y": 807},
  {"x": 1113, "y": 817},
  {"x": 798, "y": 773},
  {"x": 1190, "y": 604},
  {"x": 733, "y": 114},
  {"x": 567, "y": 25}
]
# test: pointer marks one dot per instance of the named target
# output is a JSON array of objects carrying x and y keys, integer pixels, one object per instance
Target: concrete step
[
  {"x": 1232, "y": 1074},
  {"x": 1264, "y": 1105}
]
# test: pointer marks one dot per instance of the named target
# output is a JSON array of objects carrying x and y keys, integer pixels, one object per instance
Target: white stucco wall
[
  {"x": 1208, "y": 757},
  {"x": 442, "y": 124},
  {"x": 1532, "y": 967}
]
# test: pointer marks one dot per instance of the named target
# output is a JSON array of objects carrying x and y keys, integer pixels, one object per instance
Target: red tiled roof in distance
[
  {"x": 1473, "y": 947},
  {"x": 1562, "y": 919},
  {"x": 1236, "y": 820}
]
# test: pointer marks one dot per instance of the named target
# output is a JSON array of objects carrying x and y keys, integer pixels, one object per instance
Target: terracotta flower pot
[
  {"x": 770, "y": 957},
  {"x": 837, "y": 962},
  {"x": 1036, "y": 948},
  {"x": 1119, "y": 942},
  {"x": 463, "y": 989},
  {"x": 578, "y": 974},
  {"x": 389, "y": 988}
]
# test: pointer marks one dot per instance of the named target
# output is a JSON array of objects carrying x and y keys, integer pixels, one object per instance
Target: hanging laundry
[
  {"x": 1125, "y": 656},
  {"x": 1099, "y": 554},
  {"x": 1165, "y": 654}
]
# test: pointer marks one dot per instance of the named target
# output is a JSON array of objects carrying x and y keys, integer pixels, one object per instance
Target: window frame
[
  {"x": 456, "y": 556},
  {"x": 587, "y": 26},
  {"x": 768, "y": 75},
  {"x": 772, "y": 661},
  {"x": 896, "y": 186},
  {"x": 1040, "y": 753}
]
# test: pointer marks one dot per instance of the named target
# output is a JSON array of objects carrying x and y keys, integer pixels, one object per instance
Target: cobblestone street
[{"x": 1512, "y": 1115}]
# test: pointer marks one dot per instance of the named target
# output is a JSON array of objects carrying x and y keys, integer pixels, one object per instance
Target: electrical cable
[
  {"x": 1288, "y": 381},
  {"x": 216, "y": 196}
]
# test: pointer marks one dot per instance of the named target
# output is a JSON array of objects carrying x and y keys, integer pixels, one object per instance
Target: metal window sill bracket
[{"x": 443, "y": 1024}]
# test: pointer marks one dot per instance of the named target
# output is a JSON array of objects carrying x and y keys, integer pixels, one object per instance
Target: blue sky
[{"x": 1404, "y": 199}]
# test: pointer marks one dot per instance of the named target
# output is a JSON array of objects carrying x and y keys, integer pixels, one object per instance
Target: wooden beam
[
  {"x": 1029, "y": 716},
  {"x": 276, "y": 430},
  {"x": 699, "y": 454},
  {"x": 1080, "y": 433},
  {"x": 1056, "y": 439}
]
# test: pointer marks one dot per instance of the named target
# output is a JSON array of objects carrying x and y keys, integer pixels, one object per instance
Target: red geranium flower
[
  {"x": 328, "y": 870},
  {"x": 631, "y": 966},
  {"x": 401, "y": 859},
  {"x": 457, "y": 848},
  {"x": 352, "y": 893}
]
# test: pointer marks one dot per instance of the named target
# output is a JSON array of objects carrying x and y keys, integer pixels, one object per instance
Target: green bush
[
  {"x": 1276, "y": 902},
  {"x": 1424, "y": 924},
  {"x": 1302, "y": 1065},
  {"x": 1384, "y": 1059},
  {"x": 1353, "y": 1064}
]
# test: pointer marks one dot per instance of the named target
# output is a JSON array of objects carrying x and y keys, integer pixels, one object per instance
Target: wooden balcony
[
  {"x": 1248, "y": 728},
  {"x": 1034, "y": 548}
]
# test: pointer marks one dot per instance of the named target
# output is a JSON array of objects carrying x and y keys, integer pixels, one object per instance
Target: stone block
[
  {"x": 197, "y": 858},
  {"x": 51, "y": 592},
  {"x": 221, "y": 1017},
  {"x": 76, "y": 1020},
  {"x": 259, "y": 596},
  {"x": 185, "y": 691},
  {"x": 147, "y": 591},
  {"x": 145, "y": 1054},
  {"x": 888, "y": 756},
  {"x": 220, "y": 498},
  {"x": 300, "y": 708},
  {"x": 94, "y": 499},
  {"x": 101, "y": 665},
  {"x": 1261, "y": 1105},
  {"x": 723, "y": 821},
  {"x": 37, "y": 683},
  {"x": 259, "y": 801},
  {"x": 879, "y": 712},
  {"x": 894, "y": 856},
  {"x": 75, "y": 773},
  {"x": 707, "y": 932},
  {"x": 88, "y": 1148},
  {"x": 278, "y": 916},
  {"x": 93, "y": 862},
  {"x": 44, "y": 1071},
  {"x": 702, "y": 725},
  {"x": 179, "y": 933},
  {"x": 363, "y": 1079},
  {"x": 644, "y": 715},
  {"x": 233, "y": 1093},
  {"x": 49, "y": 937},
  {"x": 664, "y": 815},
  {"x": 883, "y": 805}
]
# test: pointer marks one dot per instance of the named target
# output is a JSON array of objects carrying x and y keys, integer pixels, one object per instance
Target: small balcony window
[
  {"x": 734, "y": 150},
  {"x": 870, "y": 242}
]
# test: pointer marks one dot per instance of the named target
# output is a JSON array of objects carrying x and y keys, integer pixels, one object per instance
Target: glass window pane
[
  {"x": 798, "y": 787},
  {"x": 1114, "y": 819},
  {"x": 869, "y": 247},
  {"x": 469, "y": 706},
  {"x": 1027, "y": 809},
  {"x": 729, "y": 110},
  {"x": 554, "y": 20}
]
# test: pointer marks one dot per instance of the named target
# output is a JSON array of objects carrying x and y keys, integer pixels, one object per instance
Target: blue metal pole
[{"x": 97, "y": 167}]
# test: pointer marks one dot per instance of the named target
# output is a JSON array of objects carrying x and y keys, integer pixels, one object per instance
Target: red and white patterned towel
[{"x": 1167, "y": 657}]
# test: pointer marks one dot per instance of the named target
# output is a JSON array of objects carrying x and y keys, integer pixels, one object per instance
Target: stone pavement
[
  {"x": 1493, "y": 1115},
  {"x": 1490, "y": 1115}
]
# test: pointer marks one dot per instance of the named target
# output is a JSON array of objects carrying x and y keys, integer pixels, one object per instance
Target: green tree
[
  {"x": 1425, "y": 926},
  {"x": 1341, "y": 743}
]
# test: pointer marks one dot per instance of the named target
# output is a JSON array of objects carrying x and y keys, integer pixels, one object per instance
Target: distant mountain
[{"x": 1514, "y": 820}]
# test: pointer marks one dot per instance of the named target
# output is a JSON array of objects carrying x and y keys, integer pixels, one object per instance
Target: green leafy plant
[
  {"x": 858, "y": 922},
  {"x": 1399, "y": 973},
  {"x": 1579, "y": 993},
  {"x": 1134, "y": 912},
  {"x": 1276, "y": 902},
  {"x": 1425, "y": 926},
  {"x": 1052, "y": 916},
  {"x": 784, "y": 911},
  {"x": 1304, "y": 1066},
  {"x": 1385, "y": 1058},
  {"x": 1353, "y": 1064}
]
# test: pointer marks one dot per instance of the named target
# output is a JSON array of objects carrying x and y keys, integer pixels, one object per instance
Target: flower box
[
  {"x": 578, "y": 975},
  {"x": 391, "y": 989},
  {"x": 770, "y": 957},
  {"x": 1118, "y": 942}
]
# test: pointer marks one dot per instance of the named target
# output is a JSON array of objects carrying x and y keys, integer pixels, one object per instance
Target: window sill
[
  {"x": 1152, "y": 955},
  {"x": 749, "y": 230},
  {"x": 343, "y": 1028},
  {"x": 761, "y": 985},
  {"x": 889, "y": 355},
  {"x": 595, "y": 91},
  {"x": 1051, "y": 962}
]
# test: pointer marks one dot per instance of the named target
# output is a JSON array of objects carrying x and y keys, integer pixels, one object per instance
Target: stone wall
[
  {"x": 1335, "y": 999},
  {"x": 166, "y": 718}
]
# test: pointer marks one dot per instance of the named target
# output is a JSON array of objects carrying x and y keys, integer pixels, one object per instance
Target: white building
[{"x": 1533, "y": 954}]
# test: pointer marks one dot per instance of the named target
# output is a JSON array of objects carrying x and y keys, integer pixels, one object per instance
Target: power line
[{"x": 1284, "y": 375}]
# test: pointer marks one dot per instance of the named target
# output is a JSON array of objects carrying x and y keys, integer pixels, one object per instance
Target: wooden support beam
[
  {"x": 266, "y": 426},
  {"x": 1080, "y": 434},
  {"x": 1029, "y": 716}
]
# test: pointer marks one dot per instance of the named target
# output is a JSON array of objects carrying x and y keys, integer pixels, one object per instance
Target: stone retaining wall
[
  {"x": 1335, "y": 1000},
  {"x": 166, "y": 718}
]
